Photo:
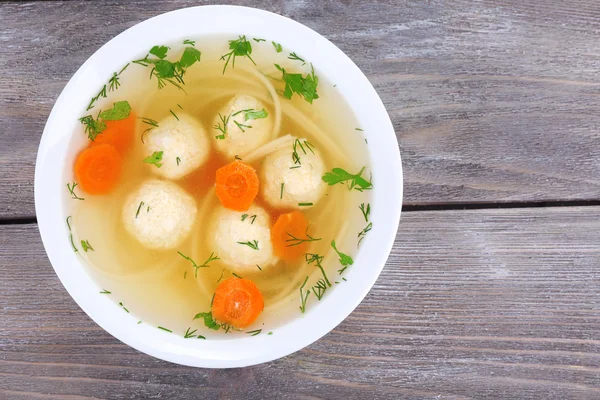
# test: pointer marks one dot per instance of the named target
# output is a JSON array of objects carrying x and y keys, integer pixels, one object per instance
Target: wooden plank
[
  {"x": 472, "y": 304},
  {"x": 493, "y": 101}
]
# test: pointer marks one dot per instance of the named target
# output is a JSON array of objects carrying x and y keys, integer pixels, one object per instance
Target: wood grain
[
  {"x": 492, "y": 101},
  {"x": 499, "y": 304}
]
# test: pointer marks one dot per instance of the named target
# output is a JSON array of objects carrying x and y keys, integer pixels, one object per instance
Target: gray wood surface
[
  {"x": 493, "y": 101},
  {"x": 500, "y": 304}
]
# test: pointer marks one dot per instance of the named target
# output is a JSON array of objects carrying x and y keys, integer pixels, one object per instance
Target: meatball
[
  {"x": 159, "y": 214},
  {"x": 247, "y": 127},
  {"x": 242, "y": 239},
  {"x": 288, "y": 179},
  {"x": 184, "y": 144}
]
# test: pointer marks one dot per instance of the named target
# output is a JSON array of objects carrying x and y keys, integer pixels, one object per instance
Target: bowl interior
[{"x": 54, "y": 157}]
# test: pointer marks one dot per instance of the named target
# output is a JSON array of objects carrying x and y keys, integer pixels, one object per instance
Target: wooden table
[{"x": 492, "y": 289}]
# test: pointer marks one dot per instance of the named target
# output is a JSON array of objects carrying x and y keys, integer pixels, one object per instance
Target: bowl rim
[{"x": 195, "y": 22}]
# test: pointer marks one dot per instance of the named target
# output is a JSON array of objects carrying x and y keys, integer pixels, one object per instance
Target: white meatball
[
  {"x": 159, "y": 214},
  {"x": 184, "y": 144},
  {"x": 247, "y": 134},
  {"x": 286, "y": 183},
  {"x": 242, "y": 244}
]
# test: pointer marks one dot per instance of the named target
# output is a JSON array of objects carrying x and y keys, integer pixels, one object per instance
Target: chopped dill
[
  {"x": 311, "y": 258},
  {"x": 222, "y": 273},
  {"x": 304, "y": 86},
  {"x": 189, "y": 334},
  {"x": 254, "y": 332},
  {"x": 104, "y": 291},
  {"x": 244, "y": 216},
  {"x": 85, "y": 245},
  {"x": 303, "y": 297},
  {"x": 278, "y": 47},
  {"x": 242, "y": 126},
  {"x": 236, "y": 275},
  {"x": 175, "y": 115},
  {"x": 212, "y": 300},
  {"x": 68, "y": 224},
  {"x": 223, "y": 128},
  {"x": 252, "y": 244},
  {"x": 138, "y": 209},
  {"x": 179, "y": 105},
  {"x": 281, "y": 191},
  {"x": 305, "y": 204},
  {"x": 295, "y": 241},
  {"x": 184, "y": 274},
  {"x": 239, "y": 47},
  {"x": 124, "y": 308},
  {"x": 357, "y": 182},
  {"x": 72, "y": 243},
  {"x": 93, "y": 127},
  {"x": 253, "y": 218},
  {"x": 270, "y": 333},
  {"x": 298, "y": 144},
  {"x": 258, "y": 40},
  {"x": 164, "y": 329},
  {"x": 139, "y": 322},
  {"x": 211, "y": 258},
  {"x": 101, "y": 93},
  {"x": 153, "y": 124},
  {"x": 296, "y": 166},
  {"x": 363, "y": 233},
  {"x": 296, "y": 57},
  {"x": 259, "y": 268},
  {"x": 190, "y": 42},
  {"x": 166, "y": 71},
  {"x": 344, "y": 279},
  {"x": 358, "y": 129},
  {"x": 365, "y": 211},
  {"x": 319, "y": 289},
  {"x": 178, "y": 160}
]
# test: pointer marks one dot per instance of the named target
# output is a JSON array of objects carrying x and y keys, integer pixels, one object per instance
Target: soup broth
[{"x": 168, "y": 287}]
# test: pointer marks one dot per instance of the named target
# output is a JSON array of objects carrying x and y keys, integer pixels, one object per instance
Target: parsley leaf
[
  {"x": 86, "y": 246},
  {"x": 209, "y": 321},
  {"x": 357, "y": 182},
  {"x": 296, "y": 83},
  {"x": 155, "y": 159},
  {"x": 120, "y": 110},
  {"x": 159, "y": 51},
  {"x": 278, "y": 47},
  {"x": 239, "y": 47},
  {"x": 345, "y": 259},
  {"x": 255, "y": 114},
  {"x": 189, "y": 57}
]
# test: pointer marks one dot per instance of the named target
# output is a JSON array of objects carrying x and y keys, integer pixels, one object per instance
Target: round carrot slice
[
  {"x": 236, "y": 186},
  {"x": 119, "y": 134},
  {"x": 98, "y": 168},
  {"x": 287, "y": 227},
  {"x": 237, "y": 302}
]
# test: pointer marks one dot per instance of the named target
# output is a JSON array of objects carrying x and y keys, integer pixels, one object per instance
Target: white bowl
[{"x": 54, "y": 158}]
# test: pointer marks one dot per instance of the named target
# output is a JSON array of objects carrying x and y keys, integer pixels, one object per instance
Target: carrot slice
[
  {"x": 287, "y": 225},
  {"x": 236, "y": 186},
  {"x": 120, "y": 134},
  {"x": 237, "y": 302},
  {"x": 98, "y": 168}
]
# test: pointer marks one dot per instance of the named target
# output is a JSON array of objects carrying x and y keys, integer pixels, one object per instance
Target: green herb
[
  {"x": 295, "y": 241},
  {"x": 85, "y": 245},
  {"x": 175, "y": 115},
  {"x": 153, "y": 124},
  {"x": 72, "y": 243},
  {"x": 222, "y": 273},
  {"x": 270, "y": 333},
  {"x": 138, "y": 209},
  {"x": 93, "y": 127},
  {"x": 189, "y": 334},
  {"x": 254, "y": 332},
  {"x": 165, "y": 329},
  {"x": 319, "y": 289},
  {"x": 212, "y": 300},
  {"x": 71, "y": 189},
  {"x": 253, "y": 114},
  {"x": 345, "y": 259},
  {"x": 358, "y": 129},
  {"x": 335, "y": 85},
  {"x": 222, "y": 126},
  {"x": 303, "y": 297},
  {"x": 239, "y": 47},
  {"x": 236, "y": 275},
  {"x": 119, "y": 111},
  {"x": 166, "y": 71},
  {"x": 305, "y": 204},
  {"x": 155, "y": 159},
  {"x": 104, "y": 291},
  {"x": 365, "y": 211},
  {"x": 139, "y": 322},
  {"x": 212, "y": 257},
  {"x": 259, "y": 268},
  {"x": 281, "y": 191},
  {"x": 296, "y": 83},
  {"x": 209, "y": 321},
  {"x": 241, "y": 126},
  {"x": 101, "y": 93},
  {"x": 296, "y": 166},
  {"x": 238, "y": 158},
  {"x": 366, "y": 141},
  {"x": 184, "y": 274},
  {"x": 68, "y": 224},
  {"x": 344, "y": 279},
  {"x": 362, "y": 234},
  {"x": 357, "y": 182},
  {"x": 258, "y": 40},
  {"x": 311, "y": 258},
  {"x": 178, "y": 105},
  {"x": 295, "y": 57},
  {"x": 244, "y": 216},
  {"x": 252, "y": 244},
  {"x": 190, "y": 42},
  {"x": 278, "y": 47},
  {"x": 298, "y": 144},
  {"x": 178, "y": 160},
  {"x": 124, "y": 308},
  {"x": 253, "y": 218}
]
